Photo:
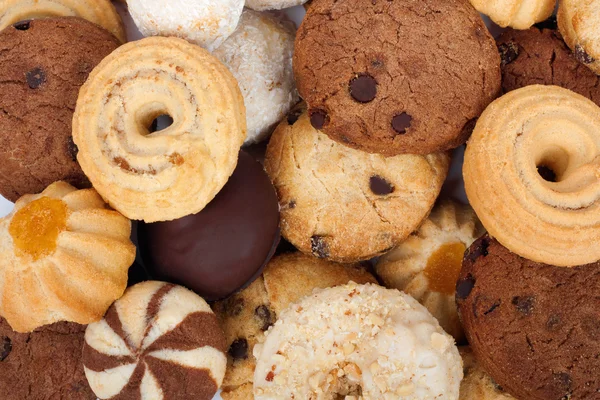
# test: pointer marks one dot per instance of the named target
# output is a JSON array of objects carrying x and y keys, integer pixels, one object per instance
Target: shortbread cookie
[
  {"x": 206, "y": 23},
  {"x": 539, "y": 56},
  {"x": 344, "y": 204},
  {"x": 477, "y": 385},
  {"x": 262, "y": 5},
  {"x": 357, "y": 340},
  {"x": 39, "y": 83},
  {"x": 518, "y": 14},
  {"x": 246, "y": 315},
  {"x": 259, "y": 54},
  {"x": 532, "y": 174},
  {"x": 64, "y": 256},
  {"x": 578, "y": 23},
  {"x": 395, "y": 77},
  {"x": 158, "y": 341},
  {"x": 533, "y": 328},
  {"x": 427, "y": 264},
  {"x": 170, "y": 173}
]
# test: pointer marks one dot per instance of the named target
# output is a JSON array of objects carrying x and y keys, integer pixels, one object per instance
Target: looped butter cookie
[
  {"x": 174, "y": 172},
  {"x": 100, "y": 12},
  {"x": 518, "y": 14},
  {"x": 532, "y": 174},
  {"x": 578, "y": 24}
]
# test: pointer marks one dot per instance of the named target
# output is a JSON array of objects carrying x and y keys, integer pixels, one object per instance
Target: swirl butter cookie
[
  {"x": 427, "y": 264},
  {"x": 518, "y": 14},
  {"x": 477, "y": 385},
  {"x": 532, "y": 174},
  {"x": 578, "y": 24},
  {"x": 174, "y": 172},
  {"x": 343, "y": 204},
  {"x": 249, "y": 313},
  {"x": 395, "y": 77},
  {"x": 159, "y": 341},
  {"x": 100, "y": 12}
]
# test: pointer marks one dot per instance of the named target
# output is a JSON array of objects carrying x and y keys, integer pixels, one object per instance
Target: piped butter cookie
[{"x": 174, "y": 172}]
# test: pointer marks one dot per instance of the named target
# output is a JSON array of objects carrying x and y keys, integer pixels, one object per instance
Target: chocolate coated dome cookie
[
  {"x": 43, "y": 63},
  {"x": 533, "y": 328},
  {"x": 396, "y": 77}
]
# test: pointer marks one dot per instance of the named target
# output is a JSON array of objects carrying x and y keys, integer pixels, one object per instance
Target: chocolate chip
[
  {"x": 492, "y": 308},
  {"x": 546, "y": 173},
  {"x": 239, "y": 349},
  {"x": 318, "y": 118},
  {"x": 478, "y": 249},
  {"x": 401, "y": 122},
  {"x": 563, "y": 382},
  {"x": 234, "y": 306},
  {"x": 553, "y": 322},
  {"x": 265, "y": 316},
  {"x": 524, "y": 304},
  {"x": 380, "y": 186},
  {"x": 582, "y": 56},
  {"x": 464, "y": 287},
  {"x": 35, "y": 78},
  {"x": 72, "y": 148},
  {"x": 319, "y": 246},
  {"x": 509, "y": 52},
  {"x": 363, "y": 88},
  {"x": 293, "y": 116},
  {"x": 550, "y": 23},
  {"x": 22, "y": 25},
  {"x": 6, "y": 348}
]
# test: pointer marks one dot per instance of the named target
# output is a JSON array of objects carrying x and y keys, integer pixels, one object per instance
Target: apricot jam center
[
  {"x": 443, "y": 267},
  {"x": 35, "y": 227}
]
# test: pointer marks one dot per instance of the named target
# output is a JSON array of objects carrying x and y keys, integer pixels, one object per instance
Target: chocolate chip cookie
[
  {"x": 395, "y": 77},
  {"x": 44, "y": 364},
  {"x": 43, "y": 65},
  {"x": 539, "y": 56},
  {"x": 533, "y": 328}
]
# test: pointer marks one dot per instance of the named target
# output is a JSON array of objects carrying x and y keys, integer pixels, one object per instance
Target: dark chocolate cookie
[
  {"x": 534, "y": 328},
  {"x": 395, "y": 77},
  {"x": 43, "y": 63},
  {"x": 44, "y": 364},
  {"x": 540, "y": 57}
]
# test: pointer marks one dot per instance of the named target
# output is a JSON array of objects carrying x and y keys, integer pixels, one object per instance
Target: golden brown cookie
[
  {"x": 532, "y": 174},
  {"x": 518, "y": 14},
  {"x": 427, "y": 264},
  {"x": 477, "y": 385},
  {"x": 100, "y": 12},
  {"x": 343, "y": 204},
  {"x": 579, "y": 23},
  {"x": 246, "y": 315},
  {"x": 64, "y": 256},
  {"x": 174, "y": 172}
]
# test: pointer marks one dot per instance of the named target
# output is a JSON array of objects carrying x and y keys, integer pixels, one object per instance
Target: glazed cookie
[
  {"x": 100, "y": 12},
  {"x": 174, "y": 172},
  {"x": 44, "y": 364},
  {"x": 249, "y": 313},
  {"x": 533, "y": 328},
  {"x": 344, "y": 204},
  {"x": 427, "y": 264},
  {"x": 372, "y": 342},
  {"x": 532, "y": 174},
  {"x": 64, "y": 256},
  {"x": 477, "y": 385},
  {"x": 395, "y": 77},
  {"x": 262, "y": 5},
  {"x": 159, "y": 341},
  {"x": 539, "y": 56},
  {"x": 578, "y": 24},
  {"x": 206, "y": 23},
  {"x": 39, "y": 83},
  {"x": 518, "y": 14},
  {"x": 259, "y": 54}
]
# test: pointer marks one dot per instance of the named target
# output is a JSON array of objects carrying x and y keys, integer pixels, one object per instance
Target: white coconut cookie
[
  {"x": 427, "y": 264},
  {"x": 261, "y": 5}
]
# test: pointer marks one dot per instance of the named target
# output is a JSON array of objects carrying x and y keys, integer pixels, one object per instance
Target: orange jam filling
[
  {"x": 443, "y": 267},
  {"x": 35, "y": 227}
]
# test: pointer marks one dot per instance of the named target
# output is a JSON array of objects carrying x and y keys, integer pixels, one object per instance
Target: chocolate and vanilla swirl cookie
[{"x": 159, "y": 341}]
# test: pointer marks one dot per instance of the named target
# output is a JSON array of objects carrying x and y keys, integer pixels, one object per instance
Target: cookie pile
[{"x": 282, "y": 193}]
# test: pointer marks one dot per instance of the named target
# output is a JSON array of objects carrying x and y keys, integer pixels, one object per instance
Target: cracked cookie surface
[
  {"x": 343, "y": 204},
  {"x": 533, "y": 328},
  {"x": 395, "y": 77}
]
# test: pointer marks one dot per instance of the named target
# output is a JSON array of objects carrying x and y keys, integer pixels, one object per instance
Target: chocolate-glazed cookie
[
  {"x": 539, "y": 56},
  {"x": 534, "y": 328},
  {"x": 43, "y": 63},
  {"x": 395, "y": 77}
]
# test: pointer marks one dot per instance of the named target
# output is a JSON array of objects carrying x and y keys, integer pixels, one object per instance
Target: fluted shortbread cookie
[
  {"x": 518, "y": 14},
  {"x": 579, "y": 24},
  {"x": 159, "y": 341}
]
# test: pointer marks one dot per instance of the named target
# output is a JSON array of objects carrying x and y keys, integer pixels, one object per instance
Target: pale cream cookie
[
  {"x": 518, "y": 14},
  {"x": 579, "y": 24}
]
